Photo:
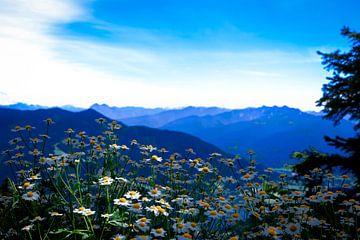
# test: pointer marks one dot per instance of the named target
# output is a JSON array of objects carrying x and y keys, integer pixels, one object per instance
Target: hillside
[{"x": 85, "y": 121}]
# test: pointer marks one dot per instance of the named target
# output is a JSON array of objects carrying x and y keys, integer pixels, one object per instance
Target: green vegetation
[{"x": 96, "y": 190}]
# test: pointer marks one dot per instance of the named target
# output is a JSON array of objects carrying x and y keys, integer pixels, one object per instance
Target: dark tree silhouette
[{"x": 341, "y": 98}]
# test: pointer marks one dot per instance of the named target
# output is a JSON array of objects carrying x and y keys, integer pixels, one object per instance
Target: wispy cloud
[{"x": 44, "y": 67}]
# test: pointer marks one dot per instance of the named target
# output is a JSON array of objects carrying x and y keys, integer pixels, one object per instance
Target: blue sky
[{"x": 166, "y": 53}]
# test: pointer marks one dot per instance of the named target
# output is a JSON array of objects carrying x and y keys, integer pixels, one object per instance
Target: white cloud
[{"x": 41, "y": 67}]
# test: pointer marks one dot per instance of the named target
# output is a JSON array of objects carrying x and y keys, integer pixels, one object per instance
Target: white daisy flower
[
  {"x": 55, "y": 214},
  {"x": 142, "y": 224},
  {"x": 105, "y": 181},
  {"x": 132, "y": 195},
  {"x": 88, "y": 212},
  {"x": 27, "y": 185},
  {"x": 154, "y": 158},
  {"x": 31, "y": 196},
  {"x": 28, "y": 227},
  {"x": 293, "y": 228},
  {"x": 37, "y": 218},
  {"x": 106, "y": 215},
  {"x": 155, "y": 193},
  {"x": 135, "y": 207},
  {"x": 185, "y": 236},
  {"x": 121, "y": 202},
  {"x": 118, "y": 237},
  {"x": 158, "y": 232}
]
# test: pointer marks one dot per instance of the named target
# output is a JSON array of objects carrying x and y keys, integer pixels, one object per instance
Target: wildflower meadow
[{"x": 94, "y": 187}]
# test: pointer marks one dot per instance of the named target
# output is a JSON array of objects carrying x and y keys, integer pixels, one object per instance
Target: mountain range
[{"x": 272, "y": 132}]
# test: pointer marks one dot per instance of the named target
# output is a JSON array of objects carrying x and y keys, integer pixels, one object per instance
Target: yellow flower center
[
  {"x": 136, "y": 205},
  {"x": 293, "y": 227},
  {"x": 159, "y": 230},
  {"x": 213, "y": 213},
  {"x": 30, "y": 194},
  {"x": 193, "y": 224},
  {"x": 271, "y": 231},
  {"x": 205, "y": 169},
  {"x": 187, "y": 235},
  {"x": 81, "y": 208},
  {"x": 123, "y": 200},
  {"x": 154, "y": 191},
  {"x": 26, "y": 184}
]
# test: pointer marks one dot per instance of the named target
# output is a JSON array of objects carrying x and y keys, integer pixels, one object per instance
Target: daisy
[
  {"x": 122, "y": 179},
  {"x": 293, "y": 229},
  {"x": 124, "y": 147},
  {"x": 271, "y": 232},
  {"x": 27, "y": 185},
  {"x": 205, "y": 170},
  {"x": 154, "y": 158},
  {"x": 121, "y": 202},
  {"x": 34, "y": 177},
  {"x": 142, "y": 237},
  {"x": 106, "y": 215},
  {"x": 185, "y": 236},
  {"x": 28, "y": 227},
  {"x": 55, "y": 214},
  {"x": 80, "y": 210},
  {"x": 105, "y": 181},
  {"x": 180, "y": 227},
  {"x": 88, "y": 212},
  {"x": 132, "y": 195},
  {"x": 159, "y": 232},
  {"x": 142, "y": 224},
  {"x": 228, "y": 208},
  {"x": 37, "y": 218},
  {"x": 31, "y": 196},
  {"x": 118, "y": 237},
  {"x": 247, "y": 177},
  {"x": 212, "y": 214},
  {"x": 234, "y": 238},
  {"x": 155, "y": 193},
  {"x": 114, "y": 146},
  {"x": 135, "y": 207},
  {"x": 164, "y": 203}
]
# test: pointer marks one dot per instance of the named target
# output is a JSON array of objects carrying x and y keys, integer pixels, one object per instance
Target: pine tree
[{"x": 341, "y": 99}]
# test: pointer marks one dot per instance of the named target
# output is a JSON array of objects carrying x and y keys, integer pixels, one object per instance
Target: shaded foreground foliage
[{"x": 97, "y": 190}]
